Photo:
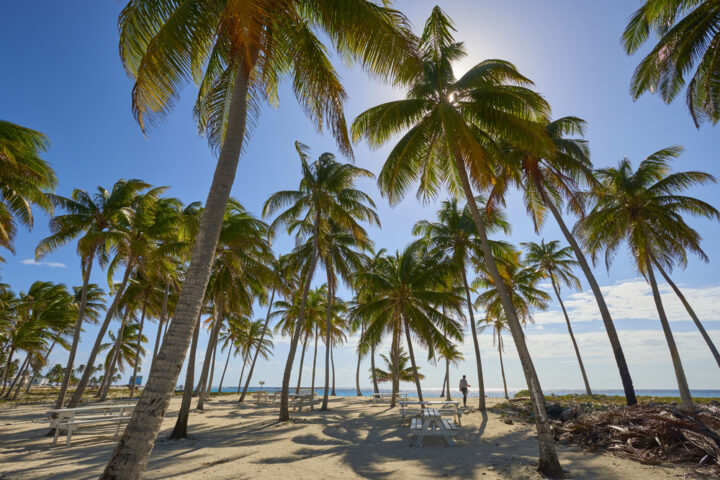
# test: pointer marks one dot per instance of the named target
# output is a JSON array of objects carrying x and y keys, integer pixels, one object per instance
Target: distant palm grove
[{"x": 468, "y": 140}]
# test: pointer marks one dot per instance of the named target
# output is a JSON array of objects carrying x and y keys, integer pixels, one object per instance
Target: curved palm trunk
[
  {"x": 242, "y": 371},
  {"x": 602, "y": 306},
  {"x": 691, "y": 312},
  {"x": 116, "y": 354},
  {"x": 674, "y": 354},
  {"x": 358, "y": 393},
  {"x": 548, "y": 463},
  {"x": 35, "y": 372},
  {"x": 131, "y": 455},
  {"x": 372, "y": 367},
  {"x": 412, "y": 359},
  {"x": 572, "y": 336},
  {"x": 476, "y": 344},
  {"x": 332, "y": 364},
  {"x": 502, "y": 367},
  {"x": 284, "y": 412},
  {"x": 180, "y": 429},
  {"x": 257, "y": 350},
  {"x": 312, "y": 382},
  {"x": 6, "y": 371},
  {"x": 328, "y": 328},
  {"x": 90, "y": 365},
  {"x": 302, "y": 360},
  {"x": 209, "y": 353},
  {"x": 76, "y": 333},
  {"x": 208, "y": 386},
  {"x": 395, "y": 353},
  {"x": 20, "y": 373},
  {"x": 161, "y": 322},
  {"x": 222, "y": 377},
  {"x": 137, "y": 349}
]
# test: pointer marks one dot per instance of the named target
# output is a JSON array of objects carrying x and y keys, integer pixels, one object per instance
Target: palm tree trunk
[
  {"x": 328, "y": 330},
  {"x": 674, "y": 354},
  {"x": 332, "y": 364},
  {"x": 161, "y": 321},
  {"x": 86, "y": 268},
  {"x": 317, "y": 333},
  {"x": 602, "y": 306},
  {"x": 242, "y": 371},
  {"x": 358, "y": 393},
  {"x": 691, "y": 312},
  {"x": 6, "y": 371},
  {"x": 502, "y": 367},
  {"x": 395, "y": 353},
  {"x": 412, "y": 359},
  {"x": 208, "y": 387},
  {"x": 137, "y": 349},
  {"x": 447, "y": 379},
  {"x": 372, "y": 367},
  {"x": 302, "y": 360},
  {"x": 180, "y": 429},
  {"x": 548, "y": 463},
  {"x": 442, "y": 392},
  {"x": 47, "y": 355},
  {"x": 257, "y": 351},
  {"x": 476, "y": 344},
  {"x": 18, "y": 376},
  {"x": 219, "y": 315},
  {"x": 116, "y": 354},
  {"x": 133, "y": 451},
  {"x": 222, "y": 377},
  {"x": 90, "y": 365},
  {"x": 572, "y": 336},
  {"x": 284, "y": 412}
]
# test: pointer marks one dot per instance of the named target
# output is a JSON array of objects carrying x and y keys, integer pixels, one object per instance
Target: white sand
[{"x": 352, "y": 440}]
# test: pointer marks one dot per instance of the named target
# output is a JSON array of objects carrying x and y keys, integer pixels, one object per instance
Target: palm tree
[
  {"x": 546, "y": 180},
  {"x": 252, "y": 337},
  {"x": 557, "y": 264},
  {"x": 326, "y": 200},
  {"x": 90, "y": 217},
  {"x": 25, "y": 179},
  {"x": 452, "y": 134},
  {"x": 454, "y": 235},
  {"x": 644, "y": 208},
  {"x": 247, "y": 48},
  {"x": 122, "y": 349},
  {"x": 408, "y": 295},
  {"x": 405, "y": 372},
  {"x": 687, "y": 34},
  {"x": 498, "y": 325}
]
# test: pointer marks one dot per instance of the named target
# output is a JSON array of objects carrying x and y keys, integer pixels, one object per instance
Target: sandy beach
[{"x": 352, "y": 440}]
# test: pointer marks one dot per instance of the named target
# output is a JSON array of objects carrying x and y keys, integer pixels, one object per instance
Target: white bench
[
  {"x": 444, "y": 407},
  {"x": 71, "y": 419},
  {"x": 431, "y": 424},
  {"x": 377, "y": 397},
  {"x": 298, "y": 400}
]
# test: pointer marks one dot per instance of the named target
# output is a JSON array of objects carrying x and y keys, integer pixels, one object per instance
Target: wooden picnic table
[
  {"x": 73, "y": 418},
  {"x": 431, "y": 424},
  {"x": 381, "y": 396},
  {"x": 445, "y": 407}
]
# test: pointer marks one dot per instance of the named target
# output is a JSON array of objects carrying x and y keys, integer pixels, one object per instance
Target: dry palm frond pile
[{"x": 650, "y": 433}]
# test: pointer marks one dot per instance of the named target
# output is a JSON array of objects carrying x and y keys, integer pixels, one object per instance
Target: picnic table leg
[{"x": 57, "y": 432}]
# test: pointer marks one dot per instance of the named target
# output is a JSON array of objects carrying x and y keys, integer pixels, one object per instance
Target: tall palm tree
[
  {"x": 326, "y": 198},
  {"x": 455, "y": 235},
  {"x": 688, "y": 39},
  {"x": 557, "y": 264},
  {"x": 408, "y": 297},
  {"x": 498, "y": 325},
  {"x": 247, "y": 48},
  {"x": 25, "y": 179},
  {"x": 553, "y": 177},
  {"x": 452, "y": 135},
  {"x": 645, "y": 208}
]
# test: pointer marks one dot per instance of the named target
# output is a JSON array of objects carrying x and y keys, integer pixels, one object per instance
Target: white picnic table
[
  {"x": 261, "y": 395},
  {"x": 431, "y": 424},
  {"x": 297, "y": 400},
  {"x": 445, "y": 407},
  {"x": 383, "y": 396},
  {"x": 73, "y": 418}
]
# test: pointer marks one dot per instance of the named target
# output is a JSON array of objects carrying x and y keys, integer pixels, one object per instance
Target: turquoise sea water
[{"x": 498, "y": 393}]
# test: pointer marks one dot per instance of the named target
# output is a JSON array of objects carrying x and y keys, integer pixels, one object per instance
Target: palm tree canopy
[
  {"x": 688, "y": 38},
  {"x": 646, "y": 209},
  {"x": 554, "y": 261}
]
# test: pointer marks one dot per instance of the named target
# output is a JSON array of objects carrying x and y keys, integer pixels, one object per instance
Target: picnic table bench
[
  {"x": 298, "y": 400},
  {"x": 431, "y": 424},
  {"x": 72, "y": 419},
  {"x": 445, "y": 407},
  {"x": 386, "y": 396}
]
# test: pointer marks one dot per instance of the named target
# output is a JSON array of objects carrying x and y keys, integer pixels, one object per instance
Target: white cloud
[{"x": 32, "y": 261}]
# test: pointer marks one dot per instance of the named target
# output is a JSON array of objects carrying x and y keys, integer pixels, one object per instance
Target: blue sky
[{"x": 62, "y": 76}]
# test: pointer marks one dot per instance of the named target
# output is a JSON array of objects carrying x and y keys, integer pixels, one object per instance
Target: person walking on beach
[{"x": 464, "y": 389}]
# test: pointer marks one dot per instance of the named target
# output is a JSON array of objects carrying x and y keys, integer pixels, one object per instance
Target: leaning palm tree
[
  {"x": 325, "y": 200},
  {"x": 688, "y": 39},
  {"x": 557, "y": 264},
  {"x": 454, "y": 234},
  {"x": 246, "y": 49},
  {"x": 452, "y": 134},
  {"x": 25, "y": 179},
  {"x": 550, "y": 179},
  {"x": 645, "y": 208},
  {"x": 408, "y": 297}
]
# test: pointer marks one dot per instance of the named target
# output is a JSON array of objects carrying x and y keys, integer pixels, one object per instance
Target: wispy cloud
[{"x": 32, "y": 261}]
